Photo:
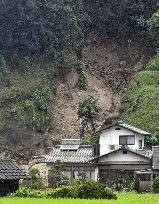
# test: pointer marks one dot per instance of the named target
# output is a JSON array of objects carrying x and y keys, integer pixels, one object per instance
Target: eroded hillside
[{"x": 110, "y": 66}]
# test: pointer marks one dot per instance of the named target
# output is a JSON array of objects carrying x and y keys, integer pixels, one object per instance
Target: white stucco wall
[
  {"x": 119, "y": 156},
  {"x": 111, "y": 137}
]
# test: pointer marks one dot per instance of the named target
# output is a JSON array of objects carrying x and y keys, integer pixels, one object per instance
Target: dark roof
[
  {"x": 10, "y": 170},
  {"x": 124, "y": 125},
  {"x": 137, "y": 152},
  {"x": 82, "y": 155}
]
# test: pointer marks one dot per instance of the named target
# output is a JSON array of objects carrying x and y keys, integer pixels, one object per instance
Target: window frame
[
  {"x": 127, "y": 136},
  {"x": 140, "y": 147}
]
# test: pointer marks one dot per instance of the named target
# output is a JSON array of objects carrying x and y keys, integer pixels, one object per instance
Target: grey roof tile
[
  {"x": 137, "y": 130},
  {"x": 9, "y": 170},
  {"x": 124, "y": 125},
  {"x": 82, "y": 155}
]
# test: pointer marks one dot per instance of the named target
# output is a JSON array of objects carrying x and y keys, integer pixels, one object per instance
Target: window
[
  {"x": 140, "y": 144},
  {"x": 86, "y": 174},
  {"x": 127, "y": 140},
  {"x": 124, "y": 152},
  {"x": 117, "y": 128}
]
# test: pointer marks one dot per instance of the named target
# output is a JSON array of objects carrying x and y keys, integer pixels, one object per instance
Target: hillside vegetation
[
  {"x": 141, "y": 102},
  {"x": 50, "y": 61}
]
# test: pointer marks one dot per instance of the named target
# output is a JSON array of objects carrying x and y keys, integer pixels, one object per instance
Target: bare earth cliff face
[{"x": 110, "y": 65}]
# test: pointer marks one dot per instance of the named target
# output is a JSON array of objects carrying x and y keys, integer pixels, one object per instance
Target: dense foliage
[
  {"x": 48, "y": 28},
  {"x": 141, "y": 102},
  {"x": 88, "y": 110},
  {"x": 82, "y": 76},
  {"x": 156, "y": 185},
  {"x": 25, "y": 100},
  {"x": 153, "y": 64},
  {"x": 80, "y": 189},
  {"x": 39, "y": 27},
  {"x": 123, "y": 18},
  {"x": 35, "y": 181}
]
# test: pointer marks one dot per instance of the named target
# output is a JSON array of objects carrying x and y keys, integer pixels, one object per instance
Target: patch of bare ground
[{"x": 65, "y": 106}]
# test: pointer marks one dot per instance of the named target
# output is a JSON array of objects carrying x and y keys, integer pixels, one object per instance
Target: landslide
[{"x": 110, "y": 65}]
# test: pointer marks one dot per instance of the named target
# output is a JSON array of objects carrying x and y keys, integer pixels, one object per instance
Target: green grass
[{"x": 123, "y": 198}]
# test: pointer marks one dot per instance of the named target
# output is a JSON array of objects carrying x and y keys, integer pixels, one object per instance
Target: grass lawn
[{"x": 123, "y": 198}]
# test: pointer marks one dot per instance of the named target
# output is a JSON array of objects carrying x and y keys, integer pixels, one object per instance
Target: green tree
[
  {"x": 35, "y": 181},
  {"x": 39, "y": 27},
  {"x": 88, "y": 110},
  {"x": 55, "y": 175},
  {"x": 122, "y": 18}
]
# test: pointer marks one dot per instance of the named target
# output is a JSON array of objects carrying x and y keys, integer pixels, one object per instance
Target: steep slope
[
  {"x": 105, "y": 63},
  {"x": 110, "y": 65}
]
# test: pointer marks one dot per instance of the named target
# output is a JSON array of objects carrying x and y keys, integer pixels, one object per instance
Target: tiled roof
[
  {"x": 146, "y": 153},
  {"x": 134, "y": 129},
  {"x": 141, "y": 153},
  {"x": 82, "y": 155},
  {"x": 9, "y": 170},
  {"x": 124, "y": 125}
]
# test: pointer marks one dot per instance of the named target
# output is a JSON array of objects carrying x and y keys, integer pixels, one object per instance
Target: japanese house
[{"x": 119, "y": 153}]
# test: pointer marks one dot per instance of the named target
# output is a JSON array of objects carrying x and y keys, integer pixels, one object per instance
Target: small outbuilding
[{"x": 10, "y": 174}]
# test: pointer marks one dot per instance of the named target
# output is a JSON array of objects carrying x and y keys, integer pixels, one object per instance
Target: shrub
[
  {"x": 153, "y": 64},
  {"x": 80, "y": 189},
  {"x": 156, "y": 185},
  {"x": 117, "y": 186},
  {"x": 90, "y": 189},
  {"x": 64, "y": 192},
  {"x": 35, "y": 182},
  {"x": 23, "y": 192}
]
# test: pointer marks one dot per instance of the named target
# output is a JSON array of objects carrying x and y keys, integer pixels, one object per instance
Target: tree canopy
[
  {"x": 39, "y": 27},
  {"x": 47, "y": 28}
]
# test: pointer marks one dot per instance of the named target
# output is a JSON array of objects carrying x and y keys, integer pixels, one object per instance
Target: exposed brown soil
[{"x": 110, "y": 66}]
